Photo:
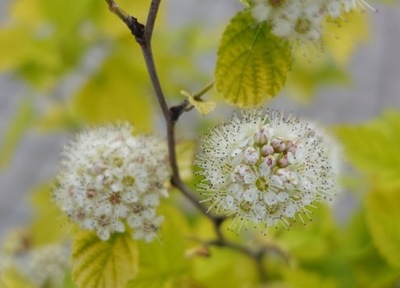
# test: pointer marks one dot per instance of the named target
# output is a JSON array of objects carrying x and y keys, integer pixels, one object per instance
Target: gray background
[{"x": 376, "y": 85}]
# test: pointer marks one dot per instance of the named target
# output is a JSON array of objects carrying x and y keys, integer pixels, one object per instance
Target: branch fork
[{"x": 143, "y": 35}]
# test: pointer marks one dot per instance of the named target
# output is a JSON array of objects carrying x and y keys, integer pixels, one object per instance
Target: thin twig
[
  {"x": 151, "y": 19},
  {"x": 114, "y": 8},
  {"x": 208, "y": 87},
  {"x": 143, "y": 35}
]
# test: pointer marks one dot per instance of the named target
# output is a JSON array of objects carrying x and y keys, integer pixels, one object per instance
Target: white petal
[
  {"x": 270, "y": 198},
  {"x": 283, "y": 196},
  {"x": 265, "y": 170},
  {"x": 250, "y": 194},
  {"x": 118, "y": 226},
  {"x": 250, "y": 178},
  {"x": 290, "y": 210}
]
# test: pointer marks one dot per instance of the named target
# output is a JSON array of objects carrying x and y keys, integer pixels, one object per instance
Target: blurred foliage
[{"x": 44, "y": 43}]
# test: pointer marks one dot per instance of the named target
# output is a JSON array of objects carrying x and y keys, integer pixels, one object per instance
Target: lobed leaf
[{"x": 252, "y": 63}]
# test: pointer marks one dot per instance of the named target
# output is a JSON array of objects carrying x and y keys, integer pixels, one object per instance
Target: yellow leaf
[{"x": 104, "y": 264}]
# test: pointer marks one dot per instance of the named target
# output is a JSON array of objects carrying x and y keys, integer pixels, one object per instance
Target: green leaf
[
  {"x": 374, "y": 148},
  {"x": 252, "y": 63},
  {"x": 383, "y": 214},
  {"x": 19, "y": 125},
  {"x": 163, "y": 262},
  {"x": 98, "y": 263}
]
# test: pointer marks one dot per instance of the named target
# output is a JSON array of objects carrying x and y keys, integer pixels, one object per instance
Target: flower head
[
  {"x": 109, "y": 178},
  {"x": 266, "y": 169},
  {"x": 301, "y": 20},
  {"x": 45, "y": 265}
]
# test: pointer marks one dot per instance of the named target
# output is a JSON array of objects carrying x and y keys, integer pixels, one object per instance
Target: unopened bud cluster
[
  {"x": 301, "y": 19},
  {"x": 109, "y": 179},
  {"x": 266, "y": 169}
]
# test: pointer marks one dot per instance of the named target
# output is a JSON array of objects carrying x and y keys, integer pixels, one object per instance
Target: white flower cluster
[
  {"x": 45, "y": 265},
  {"x": 301, "y": 19},
  {"x": 42, "y": 266},
  {"x": 109, "y": 178},
  {"x": 266, "y": 169}
]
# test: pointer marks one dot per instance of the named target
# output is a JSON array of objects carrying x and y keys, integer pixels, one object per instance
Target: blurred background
[{"x": 57, "y": 62}]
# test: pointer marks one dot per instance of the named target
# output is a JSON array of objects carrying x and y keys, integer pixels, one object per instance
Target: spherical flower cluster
[
  {"x": 46, "y": 265},
  {"x": 266, "y": 169},
  {"x": 301, "y": 19},
  {"x": 109, "y": 179}
]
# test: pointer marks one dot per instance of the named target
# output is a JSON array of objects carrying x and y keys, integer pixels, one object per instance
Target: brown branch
[
  {"x": 143, "y": 35},
  {"x": 151, "y": 18}
]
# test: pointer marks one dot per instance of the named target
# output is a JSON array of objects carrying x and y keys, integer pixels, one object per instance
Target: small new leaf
[
  {"x": 203, "y": 107},
  {"x": 102, "y": 264},
  {"x": 252, "y": 63}
]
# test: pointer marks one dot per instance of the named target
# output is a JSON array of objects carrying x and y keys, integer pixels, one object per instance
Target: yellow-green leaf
[
  {"x": 374, "y": 148},
  {"x": 342, "y": 36},
  {"x": 16, "y": 130},
  {"x": 383, "y": 214},
  {"x": 119, "y": 91},
  {"x": 362, "y": 260},
  {"x": 98, "y": 263},
  {"x": 307, "y": 76},
  {"x": 252, "y": 63},
  {"x": 203, "y": 107},
  {"x": 47, "y": 216},
  {"x": 11, "y": 278},
  {"x": 162, "y": 262},
  {"x": 296, "y": 278}
]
